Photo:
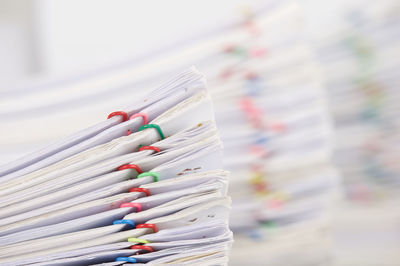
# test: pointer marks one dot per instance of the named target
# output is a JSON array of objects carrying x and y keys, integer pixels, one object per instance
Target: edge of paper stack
[{"x": 143, "y": 186}]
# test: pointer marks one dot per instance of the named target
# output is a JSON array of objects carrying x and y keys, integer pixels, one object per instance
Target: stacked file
[
  {"x": 143, "y": 186},
  {"x": 270, "y": 109},
  {"x": 358, "y": 56},
  {"x": 272, "y": 113},
  {"x": 360, "y": 63}
]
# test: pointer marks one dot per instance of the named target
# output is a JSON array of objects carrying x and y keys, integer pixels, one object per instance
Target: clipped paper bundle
[{"x": 143, "y": 186}]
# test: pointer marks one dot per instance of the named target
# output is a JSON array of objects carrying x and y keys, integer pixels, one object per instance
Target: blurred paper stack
[
  {"x": 271, "y": 108},
  {"x": 360, "y": 65},
  {"x": 357, "y": 46}
]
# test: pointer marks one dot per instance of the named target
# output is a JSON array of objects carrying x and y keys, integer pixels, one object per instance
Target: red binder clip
[
  {"x": 136, "y": 205},
  {"x": 130, "y": 166},
  {"x": 139, "y": 189},
  {"x": 151, "y": 226},
  {"x": 140, "y": 247},
  {"x": 149, "y": 148},
  {"x": 124, "y": 115}
]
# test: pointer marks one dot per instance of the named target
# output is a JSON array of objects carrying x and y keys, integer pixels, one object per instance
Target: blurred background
[{"x": 305, "y": 96}]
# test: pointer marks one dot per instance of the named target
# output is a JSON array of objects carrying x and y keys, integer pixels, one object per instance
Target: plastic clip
[
  {"x": 130, "y": 166},
  {"x": 154, "y": 174},
  {"x": 141, "y": 247},
  {"x": 142, "y": 148},
  {"x": 139, "y": 189},
  {"x": 143, "y": 115},
  {"x": 138, "y": 240},
  {"x": 157, "y": 127},
  {"x": 136, "y": 205},
  {"x": 124, "y": 221},
  {"x": 122, "y": 113},
  {"x": 127, "y": 259},
  {"x": 151, "y": 226}
]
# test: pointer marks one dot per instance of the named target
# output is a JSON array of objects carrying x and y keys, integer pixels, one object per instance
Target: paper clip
[
  {"x": 124, "y": 115},
  {"x": 141, "y": 247},
  {"x": 154, "y": 174},
  {"x": 143, "y": 115},
  {"x": 151, "y": 226},
  {"x": 139, "y": 189},
  {"x": 142, "y": 148},
  {"x": 127, "y": 259},
  {"x": 136, "y": 205},
  {"x": 124, "y": 221},
  {"x": 157, "y": 127},
  {"x": 259, "y": 52},
  {"x": 229, "y": 48},
  {"x": 130, "y": 166},
  {"x": 138, "y": 240}
]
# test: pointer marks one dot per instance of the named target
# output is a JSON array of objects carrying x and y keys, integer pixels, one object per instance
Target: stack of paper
[
  {"x": 271, "y": 112},
  {"x": 271, "y": 109},
  {"x": 143, "y": 186},
  {"x": 360, "y": 62}
]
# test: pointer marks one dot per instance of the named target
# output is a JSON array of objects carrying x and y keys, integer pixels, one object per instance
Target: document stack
[
  {"x": 144, "y": 186},
  {"x": 271, "y": 112},
  {"x": 360, "y": 63}
]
